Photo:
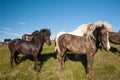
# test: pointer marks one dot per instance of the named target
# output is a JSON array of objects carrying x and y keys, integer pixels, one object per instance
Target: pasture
[{"x": 106, "y": 66}]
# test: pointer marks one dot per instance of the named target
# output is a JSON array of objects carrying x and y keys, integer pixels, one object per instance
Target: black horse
[
  {"x": 87, "y": 45},
  {"x": 33, "y": 47},
  {"x": 7, "y": 40},
  {"x": 114, "y": 37}
]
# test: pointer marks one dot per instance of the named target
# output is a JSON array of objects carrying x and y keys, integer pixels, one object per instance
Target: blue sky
[{"x": 18, "y": 17}]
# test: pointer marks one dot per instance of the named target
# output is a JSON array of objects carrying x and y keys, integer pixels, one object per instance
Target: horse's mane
[
  {"x": 81, "y": 30},
  {"x": 35, "y": 32},
  {"x": 106, "y": 25},
  {"x": 41, "y": 30},
  {"x": 96, "y": 25},
  {"x": 101, "y": 24},
  {"x": 44, "y": 30}
]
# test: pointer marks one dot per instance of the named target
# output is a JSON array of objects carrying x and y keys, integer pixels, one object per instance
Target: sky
[{"x": 18, "y": 17}]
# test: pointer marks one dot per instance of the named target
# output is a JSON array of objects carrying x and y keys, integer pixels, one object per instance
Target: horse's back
[
  {"x": 114, "y": 37},
  {"x": 70, "y": 37},
  {"x": 11, "y": 45}
]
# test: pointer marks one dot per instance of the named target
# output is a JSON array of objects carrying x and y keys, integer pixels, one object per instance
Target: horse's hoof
[
  {"x": 60, "y": 68},
  {"x": 38, "y": 70},
  {"x": 89, "y": 77},
  {"x": 11, "y": 66}
]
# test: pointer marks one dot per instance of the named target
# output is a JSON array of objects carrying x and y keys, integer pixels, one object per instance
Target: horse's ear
[{"x": 102, "y": 27}]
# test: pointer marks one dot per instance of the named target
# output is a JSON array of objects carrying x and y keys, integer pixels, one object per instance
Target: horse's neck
[
  {"x": 39, "y": 41},
  {"x": 94, "y": 40},
  {"x": 97, "y": 39}
]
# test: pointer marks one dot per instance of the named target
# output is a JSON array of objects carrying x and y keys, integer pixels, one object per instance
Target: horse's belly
[
  {"x": 78, "y": 50},
  {"x": 78, "y": 47},
  {"x": 24, "y": 50}
]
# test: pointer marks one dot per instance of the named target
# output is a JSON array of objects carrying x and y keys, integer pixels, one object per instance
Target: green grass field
[{"x": 106, "y": 66}]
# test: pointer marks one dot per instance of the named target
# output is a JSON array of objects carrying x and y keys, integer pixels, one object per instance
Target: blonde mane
[
  {"x": 95, "y": 25},
  {"x": 106, "y": 25}
]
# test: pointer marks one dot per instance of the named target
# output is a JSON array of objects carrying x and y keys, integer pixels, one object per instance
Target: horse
[
  {"x": 114, "y": 37},
  {"x": 33, "y": 47},
  {"x": 7, "y": 40},
  {"x": 87, "y": 45},
  {"x": 28, "y": 37},
  {"x": 82, "y": 30}
]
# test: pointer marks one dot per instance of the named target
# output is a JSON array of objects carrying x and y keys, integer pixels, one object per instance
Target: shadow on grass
[
  {"x": 42, "y": 58},
  {"x": 45, "y": 57},
  {"x": 115, "y": 50},
  {"x": 80, "y": 58}
]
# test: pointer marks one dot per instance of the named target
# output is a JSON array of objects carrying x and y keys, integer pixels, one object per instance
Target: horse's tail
[{"x": 57, "y": 49}]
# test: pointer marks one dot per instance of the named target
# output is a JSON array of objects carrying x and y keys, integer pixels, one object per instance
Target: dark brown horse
[
  {"x": 87, "y": 45},
  {"x": 33, "y": 47},
  {"x": 114, "y": 37},
  {"x": 7, "y": 40}
]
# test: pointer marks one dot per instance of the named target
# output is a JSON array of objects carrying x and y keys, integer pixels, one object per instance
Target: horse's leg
[
  {"x": 90, "y": 58},
  {"x": 61, "y": 58},
  {"x": 36, "y": 62},
  {"x": 16, "y": 57},
  {"x": 11, "y": 59}
]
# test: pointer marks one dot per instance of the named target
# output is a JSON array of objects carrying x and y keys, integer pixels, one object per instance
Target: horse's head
[
  {"x": 104, "y": 38},
  {"x": 47, "y": 34},
  {"x": 101, "y": 34}
]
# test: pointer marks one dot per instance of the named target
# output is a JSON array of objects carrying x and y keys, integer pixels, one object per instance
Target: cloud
[
  {"x": 22, "y": 23},
  {"x": 12, "y": 34},
  {"x": 7, "y": 29}
]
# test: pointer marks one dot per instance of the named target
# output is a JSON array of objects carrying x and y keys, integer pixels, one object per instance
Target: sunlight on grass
[{"x": 106, "y": 66}]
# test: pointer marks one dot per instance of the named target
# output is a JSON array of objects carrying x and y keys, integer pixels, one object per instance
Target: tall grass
[{"x": 106, "y": 66}]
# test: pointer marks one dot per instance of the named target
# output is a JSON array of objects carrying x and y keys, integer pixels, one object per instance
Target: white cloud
[
  {"x": 22, "y": 23},
  {"x": 10, "y": 33},
  {"x": 7, "y": 29}
]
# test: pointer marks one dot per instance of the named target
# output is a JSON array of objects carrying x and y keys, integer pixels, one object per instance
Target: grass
[{"x": 106, "y": 66}]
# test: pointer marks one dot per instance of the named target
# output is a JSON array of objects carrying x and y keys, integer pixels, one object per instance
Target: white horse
[{"x": 82, "y": 30}]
